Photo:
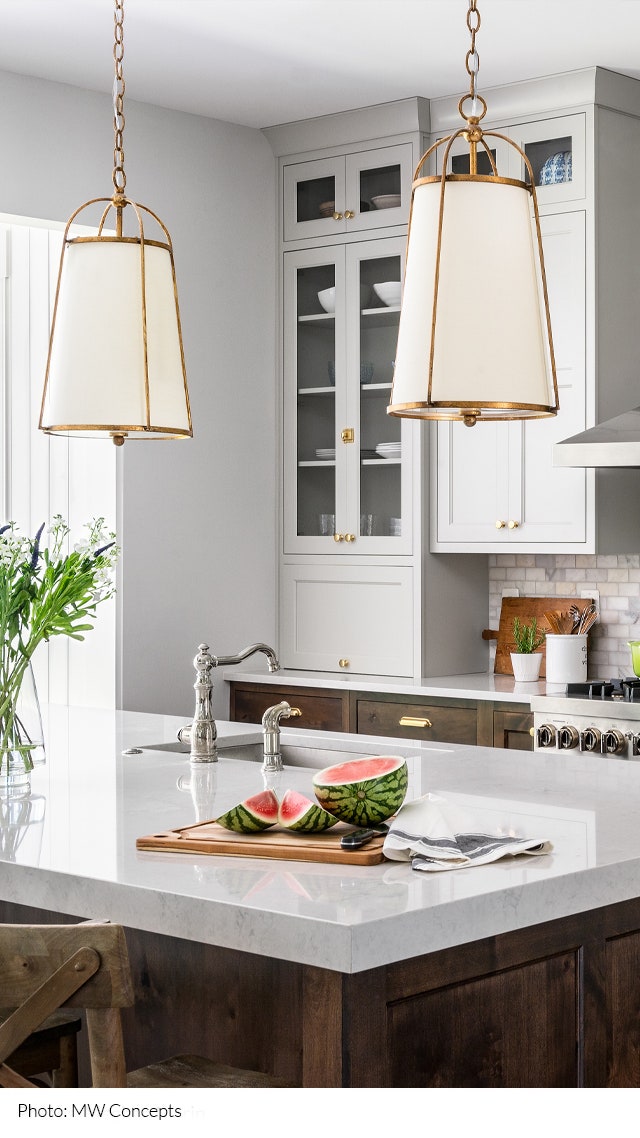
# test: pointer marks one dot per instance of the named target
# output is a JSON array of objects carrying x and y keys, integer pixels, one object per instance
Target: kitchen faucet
[
  {"x": 202, "y": 733},
  {"x": 271, "y": 729}
]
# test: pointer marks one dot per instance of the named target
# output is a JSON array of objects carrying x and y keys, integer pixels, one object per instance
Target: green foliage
[
  {"x": 44, "y": 593},
  {"x": 526, "y": 636}
]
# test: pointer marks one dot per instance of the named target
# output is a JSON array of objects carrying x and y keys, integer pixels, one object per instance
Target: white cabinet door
[
  {"x": 369, "y": 189},
  {"x": 348, "y": 475},
  {"x": 495, "y": 483},
  {"x": 556, "y": 150},
  {"x": 344, "y": 618}
]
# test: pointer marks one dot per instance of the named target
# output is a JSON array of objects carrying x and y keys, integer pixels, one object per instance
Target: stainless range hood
[{"x": 615, "y": 442}]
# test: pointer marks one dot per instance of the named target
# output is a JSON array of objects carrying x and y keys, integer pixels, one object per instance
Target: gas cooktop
[{"x": 627, "y": 690}]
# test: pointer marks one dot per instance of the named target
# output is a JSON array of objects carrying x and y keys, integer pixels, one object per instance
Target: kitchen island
[{"x": 519, "y": 973}]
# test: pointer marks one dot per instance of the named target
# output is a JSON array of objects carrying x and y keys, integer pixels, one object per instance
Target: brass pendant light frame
[
  {"x": 118, "y": 431},
  {"x": 441, "y": 409}
]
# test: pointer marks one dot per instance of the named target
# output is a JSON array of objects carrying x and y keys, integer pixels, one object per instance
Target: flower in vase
[{"x": 44, "y": 592}]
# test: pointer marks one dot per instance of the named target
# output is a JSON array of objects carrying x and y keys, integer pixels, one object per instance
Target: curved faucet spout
[{"x": 274, "y": 664}]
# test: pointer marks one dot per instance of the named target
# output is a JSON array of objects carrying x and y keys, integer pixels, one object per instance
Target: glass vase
[{"x": 22, "y": 745}]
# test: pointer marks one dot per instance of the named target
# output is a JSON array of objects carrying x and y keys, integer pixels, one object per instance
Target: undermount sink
[{"x": 298, "y": 754}]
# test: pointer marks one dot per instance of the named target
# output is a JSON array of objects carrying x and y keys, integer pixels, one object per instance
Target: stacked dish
[
  {"x": 326, "y": 453},
  {"x": 326, "y": 209},
  {"x": 386, "y": 201},
  {"x": 389, "y": 450}
]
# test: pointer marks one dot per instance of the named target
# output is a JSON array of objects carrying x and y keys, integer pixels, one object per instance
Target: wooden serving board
[
  {"x": 210, "y": 838},
  {"x": 525, "y": 608}
]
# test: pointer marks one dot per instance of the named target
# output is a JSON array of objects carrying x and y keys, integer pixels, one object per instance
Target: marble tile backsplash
[{"x": 615, "y": 576}]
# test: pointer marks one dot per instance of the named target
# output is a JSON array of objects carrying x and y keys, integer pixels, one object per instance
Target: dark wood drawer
[
  {"x": 512, "y": 729},
  {"x": 443, "y": 724},
  {"x": 320, "y": 712}
]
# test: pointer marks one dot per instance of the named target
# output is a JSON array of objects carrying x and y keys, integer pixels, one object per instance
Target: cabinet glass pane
[
  {"x": 460, "y": 163},
  {"x": 316, "y": 408},
  {"x": 551, "y": 160},
  {"x": 380, "y": 465},
  {"x": 380, "y": 188},
  {"x": 315, "y": 197}
]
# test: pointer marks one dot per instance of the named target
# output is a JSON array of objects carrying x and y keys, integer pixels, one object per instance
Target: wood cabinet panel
[
  {"x": 475, "y": 1034},
  {"x": 441, "y": 723},
  {"x": 623, "y": 1002},
  {"x": 512, "y": 730},
  {"x": 320, "y": 712}
]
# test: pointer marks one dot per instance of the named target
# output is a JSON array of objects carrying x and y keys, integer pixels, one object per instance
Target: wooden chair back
[{"x": 46, "y": 967}]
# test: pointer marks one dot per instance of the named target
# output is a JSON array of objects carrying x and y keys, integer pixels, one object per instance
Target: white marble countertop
[
  {"x": 70, "y": 846},
  {"x": 474, "y": 685}
]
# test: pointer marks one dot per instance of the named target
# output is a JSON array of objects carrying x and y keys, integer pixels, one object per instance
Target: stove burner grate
[{"x": 627, "y": 689}]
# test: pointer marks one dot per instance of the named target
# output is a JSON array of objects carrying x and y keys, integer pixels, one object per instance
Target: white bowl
[
  {"x": 327, "y": 299},
  {"x": 388, "y": 292},
  {"x": 387, "y": 201}
]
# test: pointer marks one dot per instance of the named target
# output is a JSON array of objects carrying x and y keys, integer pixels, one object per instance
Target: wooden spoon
[{"x": 552, "y": 620}]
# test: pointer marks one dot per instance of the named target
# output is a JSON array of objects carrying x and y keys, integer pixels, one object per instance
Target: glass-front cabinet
[
  {"x": 370, "y": 189},
  {"x": 347, "y": 464}
]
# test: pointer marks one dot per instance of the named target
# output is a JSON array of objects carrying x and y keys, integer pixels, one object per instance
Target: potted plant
[{"x": 526, "y": 660}]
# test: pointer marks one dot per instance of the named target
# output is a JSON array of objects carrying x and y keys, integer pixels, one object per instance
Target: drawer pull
[{"x": 413, "y": 721}]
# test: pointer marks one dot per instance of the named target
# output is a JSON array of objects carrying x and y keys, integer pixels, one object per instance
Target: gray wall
[{"x": 197, "y": 519}]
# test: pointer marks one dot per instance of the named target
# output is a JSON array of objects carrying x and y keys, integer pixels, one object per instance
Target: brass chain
[
  {"x": 472, "y": 61},
  {"x": 119, "y": 177}
]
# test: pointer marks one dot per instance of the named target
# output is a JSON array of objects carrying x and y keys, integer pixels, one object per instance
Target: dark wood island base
[{"x": 555, "y": 1005}]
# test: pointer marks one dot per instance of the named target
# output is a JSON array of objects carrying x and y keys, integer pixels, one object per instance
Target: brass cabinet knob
[
  {"x": 337, "y": 217},
  {"x": 343, "y": 663},
  {"x": 499, "y": 524},
  {"x": 349, "y": 537},
  {"x": 338, "y": 537},
  {"x": 295, "y": 713},
  {"x": 348, "y": 213},
  {"x": 512, "y": 524},
  {"x": 347, "y": 434},
  {"x": 532, "y": 731},
  {"x": 414, "y": 721}
]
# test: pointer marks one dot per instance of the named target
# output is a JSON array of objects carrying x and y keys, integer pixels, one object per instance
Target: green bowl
[{"x": 635, "y": 655}]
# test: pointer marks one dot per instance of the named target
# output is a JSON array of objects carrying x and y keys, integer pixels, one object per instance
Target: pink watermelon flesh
[
  {"x": 264, "y": 806},
  {"x": 255, "y": 813},
  {"x": 297, "y": 812},
  {"x": 356, "y": 770}
]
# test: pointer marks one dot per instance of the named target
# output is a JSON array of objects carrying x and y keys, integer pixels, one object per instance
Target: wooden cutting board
[
  {"x": 210, "y": 838},
  {"x": 525, "y": 608}
]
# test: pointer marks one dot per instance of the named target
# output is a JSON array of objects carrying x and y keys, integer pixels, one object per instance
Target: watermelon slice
[
  {"x": 363, "y": 791},
  {"x": 301, "y": 814},
  {"x": 256, "y": 813}
]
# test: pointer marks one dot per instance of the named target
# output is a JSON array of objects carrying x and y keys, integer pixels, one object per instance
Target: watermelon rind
[
  {"x": 300, "y": 814},
  {"x": 254, "y": 814},
  {"x": 363, "y": 791}
]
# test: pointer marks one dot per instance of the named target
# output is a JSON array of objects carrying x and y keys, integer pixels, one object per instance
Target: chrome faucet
[
  {"x": 202, "y": 733},
  {"x": 271, "y": 728}
]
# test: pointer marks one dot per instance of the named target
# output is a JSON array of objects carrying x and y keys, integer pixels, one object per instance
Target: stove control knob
[
  {"x": 635, "y": 746},
  {"x": 568, "y": 737},
  {"x": 591, "y": 739},
  {"x": 613, "y": 742},
  {"x": 546, "y": 735}
]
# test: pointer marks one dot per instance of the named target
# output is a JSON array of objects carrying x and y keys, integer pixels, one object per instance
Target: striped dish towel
[{"x": 433, "y": 834}]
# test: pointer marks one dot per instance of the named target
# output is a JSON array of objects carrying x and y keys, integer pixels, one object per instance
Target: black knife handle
[{"x": 361, "y": 837}]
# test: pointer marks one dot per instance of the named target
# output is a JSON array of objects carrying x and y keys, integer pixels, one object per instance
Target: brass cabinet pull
[
  {"x": 414, "y": 721},
  {"x": 347, "y": 435},
  {"x": 532, "y": 730},
  {"x": 338, "y": 537},
  {"x": 512, "y": 524},
  {"x": 348, "y": 213},
  {"x": 499, "y": 524},
  {"x": 349, "y": 537},
  {"x": 343, "y": 663},
  {"x": 295, "y": 713},
  {"x": 337, "y": 217}
]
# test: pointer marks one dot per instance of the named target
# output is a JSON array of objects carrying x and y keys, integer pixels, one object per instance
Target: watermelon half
[
  {"x": 256, "y": 813},
  {"x": 363, "y": 791},
  {"x": 297, "y": 812}
]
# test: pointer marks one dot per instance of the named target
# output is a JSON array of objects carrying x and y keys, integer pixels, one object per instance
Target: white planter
[{"x": 526, "y": 666}]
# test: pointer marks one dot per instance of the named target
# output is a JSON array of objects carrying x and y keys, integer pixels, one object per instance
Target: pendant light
[
  {"x": 116, "y": 362},
  {"x": 474, "y": 340}
]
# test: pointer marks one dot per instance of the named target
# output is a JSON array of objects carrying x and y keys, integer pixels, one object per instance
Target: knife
[{"x": 361, "y": 837}]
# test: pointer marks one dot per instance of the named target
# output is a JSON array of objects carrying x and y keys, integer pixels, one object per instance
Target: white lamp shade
[
  {"x": 491, "y": 345},
  {"x": 96, "y": 376}
]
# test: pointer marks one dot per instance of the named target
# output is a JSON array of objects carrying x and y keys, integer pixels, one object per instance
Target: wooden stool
[
  {"x": 48, "y": 967},
  {"x": 51, "y": 1050}
]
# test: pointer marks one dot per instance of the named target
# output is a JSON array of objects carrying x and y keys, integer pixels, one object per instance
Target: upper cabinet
[
  {"x": 494, "y": 487},
  {"x": 365, "y": 190},
  {"x": 347, "y": 464}
]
